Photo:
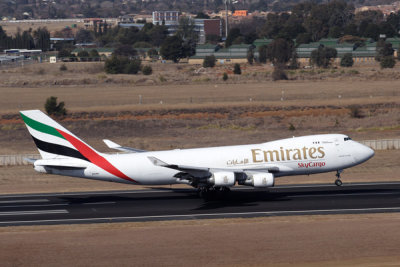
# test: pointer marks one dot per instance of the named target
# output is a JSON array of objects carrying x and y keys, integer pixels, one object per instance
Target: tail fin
[{"x": 53, "y": 140}]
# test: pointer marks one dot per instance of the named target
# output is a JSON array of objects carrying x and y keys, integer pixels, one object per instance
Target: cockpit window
[{"x": 347, "y": 138}]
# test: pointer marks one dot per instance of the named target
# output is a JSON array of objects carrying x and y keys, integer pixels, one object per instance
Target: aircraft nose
[{"x": 364, "y": 152}]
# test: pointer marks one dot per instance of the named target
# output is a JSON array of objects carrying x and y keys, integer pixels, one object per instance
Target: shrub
[
  {"x": 64, "y": 53},
  {"x": 225, "y": 76},
  {"x": 279, "y": 74},
  {"x": 133, "y": 66},
  {"x": 387, "y": 62},
  {"x": 236, "y": 69},
  {"x": 121, "y": 64},
  {"x": 291, "y": 127},
  {"x": 355, "y": 111},
  {"x": 63, "y": 67},
  {"x": 147, "y": 70},
  {"x": 347, "y": 60},
  {"x": 83, "y": 55},
  {"x": 52, "y": 108},
  {"x": 209, "y": 61},
  {"x": 322, "y": 56}
]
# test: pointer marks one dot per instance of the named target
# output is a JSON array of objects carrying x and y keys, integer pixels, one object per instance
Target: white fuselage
[{"x": 292, "y": 156}]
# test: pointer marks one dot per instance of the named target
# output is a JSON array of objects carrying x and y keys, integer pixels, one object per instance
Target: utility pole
[{"x": 226, "y": 19}]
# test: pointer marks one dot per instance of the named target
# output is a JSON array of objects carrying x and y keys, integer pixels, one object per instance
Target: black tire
[{"x": 338, "y": 182}]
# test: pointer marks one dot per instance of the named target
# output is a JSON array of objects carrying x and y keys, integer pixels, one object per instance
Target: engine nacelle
[
  {"x": 222, "y": 179},
  {"x": 260, "y": 180}
]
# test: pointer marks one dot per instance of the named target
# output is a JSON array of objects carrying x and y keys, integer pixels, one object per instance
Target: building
[
  {"x": 92, "y": 23},
  {"x": 206, "y": 27},
  {"x": 168, "y": 18},
  {"x": 240, "y": 13},
  {"x": 233, "y": 54}
]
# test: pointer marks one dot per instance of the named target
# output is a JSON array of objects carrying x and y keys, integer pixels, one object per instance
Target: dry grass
[{"x": 345, "y": 240}]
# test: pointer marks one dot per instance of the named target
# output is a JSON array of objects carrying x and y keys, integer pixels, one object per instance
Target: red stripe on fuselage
[{"x": 94, "y": 158}]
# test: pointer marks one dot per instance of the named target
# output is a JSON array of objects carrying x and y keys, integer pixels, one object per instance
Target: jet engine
[
  {"x": 222, "y": 179},
  {"x": 260, "y": 180}
]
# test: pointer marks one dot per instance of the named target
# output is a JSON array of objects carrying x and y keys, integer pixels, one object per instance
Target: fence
[
  {"x": 11, "y": 160},
  {"x": 382, "y": 144}
]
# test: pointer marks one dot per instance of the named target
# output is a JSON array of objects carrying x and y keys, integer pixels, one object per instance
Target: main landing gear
[{"x": 338, "y": 182}]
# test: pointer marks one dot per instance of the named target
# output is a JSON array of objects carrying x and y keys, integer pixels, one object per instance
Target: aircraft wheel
[{"x": 338, "y": 182}]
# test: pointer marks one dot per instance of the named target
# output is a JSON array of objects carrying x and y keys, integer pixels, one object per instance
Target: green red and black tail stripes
[{"x": 53, "y": 140}]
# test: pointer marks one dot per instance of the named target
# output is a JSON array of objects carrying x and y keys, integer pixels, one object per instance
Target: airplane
[{"x": 209, "y": 169}]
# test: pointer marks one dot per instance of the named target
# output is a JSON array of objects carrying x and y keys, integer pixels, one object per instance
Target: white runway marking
[
  {"x": 24, "y": 201},
  {"x": 25, "y": 206},
  {"x": 195, "y": 216},
  {"x": 32, "y": 212},
  {"x": 99, "y": 203}
]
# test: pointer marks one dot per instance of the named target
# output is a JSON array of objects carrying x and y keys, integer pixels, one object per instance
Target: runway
[{"x": 183, "y": 204}]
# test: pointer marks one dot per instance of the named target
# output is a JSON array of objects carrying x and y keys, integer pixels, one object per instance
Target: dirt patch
[{"x": 347, "y": 240}]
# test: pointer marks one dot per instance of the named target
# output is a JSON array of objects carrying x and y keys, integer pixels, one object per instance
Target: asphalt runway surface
[{"x": 184, "y": 204}]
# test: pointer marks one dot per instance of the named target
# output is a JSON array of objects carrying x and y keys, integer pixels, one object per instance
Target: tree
[
  {"x": 84, "y": 36},
  {"x": 347, "y": 60},
  {"x": 52, "y": 108},
  {"x": 209, "y": 61},
  {"x": 122, "y": 64},
  {"x": 236, "y": 69},
  {"x": 250, "y": 56},
  {"x": 64, "y": 53},
  {"x": 280, "y": 51},
  {"x": 201, "y": 15},
  {"x": 232, "y": 35},
  {"x": 322, "y": 56},
  {"x": 383, "y": 49},
  {"x": 42, "y": 39},
  {"x": 171, "y": 49},
  {"x": 387, "y": 62},
  {"x": 94, "y": 54},
  {"x": 125, "y": 50},
  {"x": 262, "y": 52}
]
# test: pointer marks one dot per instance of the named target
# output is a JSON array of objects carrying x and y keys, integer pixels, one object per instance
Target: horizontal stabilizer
[
  {"x": 64, "y": 163},
  {"x": 30, "y": 160},
  {"x": 113, "y": 145}
]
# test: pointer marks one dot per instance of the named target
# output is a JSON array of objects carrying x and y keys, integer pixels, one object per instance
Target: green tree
[
  {"x": 94, "y": 54},
  {"x": 42, "y": 39},
  {"x": 84, "y": 36},
  {"x": 52, "y": 108},
  {"x": 262, "y": 54},
  {"x": 347, "y": 60},
  {"x": 125, "y": 50},
  {"x": 387, "y": 62},
  {"x": 133, "y": 66},
  {"x": 250, "y": 56},
  {"x": 280, "y": 51},
  {"x": 171, "y": 49},
  {"x": 147, "y": 70},
  {"x": 383, "y": 49},
  {"x": 64, "y": 53},
  {"x": 209, "y": 61},
  {"x": 322, "y": 56},
  {"x": 232, "y": 35}
]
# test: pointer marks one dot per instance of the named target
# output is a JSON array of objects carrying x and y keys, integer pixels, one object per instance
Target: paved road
[{"x": 166, "y": 204}]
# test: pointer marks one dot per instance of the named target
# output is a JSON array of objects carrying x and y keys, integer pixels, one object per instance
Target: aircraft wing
[
  {"x": 204, "y": 172},
  {"x": 113, "y": 145}
]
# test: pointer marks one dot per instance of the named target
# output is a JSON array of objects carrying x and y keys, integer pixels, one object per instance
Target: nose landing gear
[{"x": 338, "y": 182}]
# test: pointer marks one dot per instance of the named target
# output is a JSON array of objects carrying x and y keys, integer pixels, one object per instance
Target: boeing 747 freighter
[{"x": 209, "y": 169}]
